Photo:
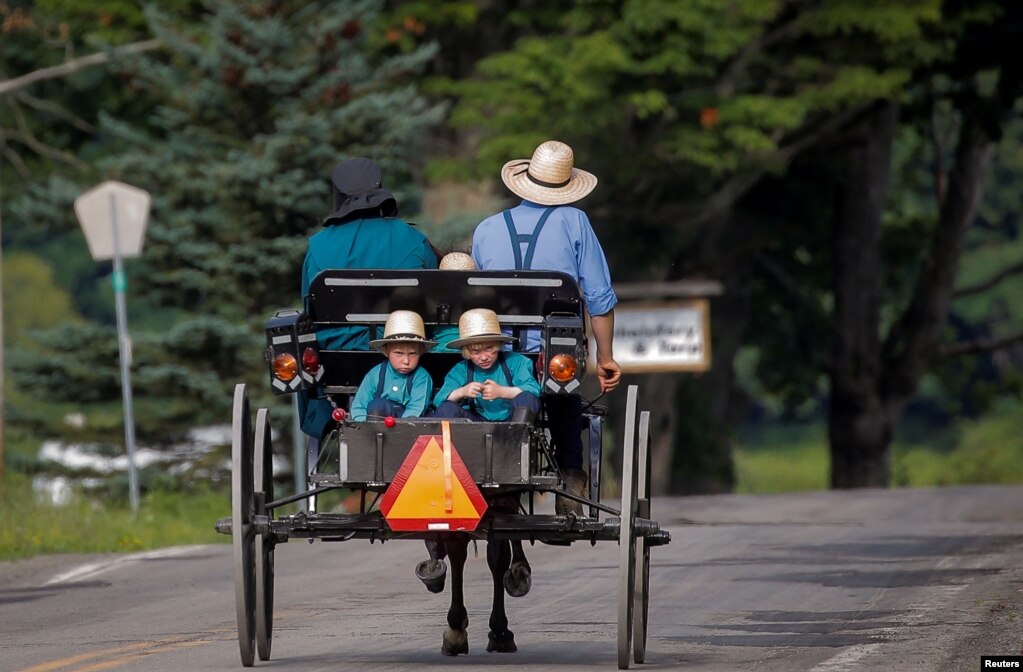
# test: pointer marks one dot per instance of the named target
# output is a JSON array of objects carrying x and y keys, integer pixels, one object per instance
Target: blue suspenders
[
  {"x": 471, "y": 372},
  {"x": 380, "y": 383},
  {"x": 517, "y": 239}
]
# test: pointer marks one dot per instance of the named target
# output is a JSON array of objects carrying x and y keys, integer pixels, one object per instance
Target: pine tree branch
[
  {"x": 25, "y": 136},
  {"x": 72, "y": 66},
  {"x": 985, "y": 285},
  {"x": 980, "y": 345},
  {"x": 56, "y": 110}
]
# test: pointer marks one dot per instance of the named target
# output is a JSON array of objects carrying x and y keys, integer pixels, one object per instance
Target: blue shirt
[
  {"x": 521, "y": 369},
  {"x": 567, "y": 243},
  {"x": 396, "y": 389},
  {"x": 376, "y": 242}
]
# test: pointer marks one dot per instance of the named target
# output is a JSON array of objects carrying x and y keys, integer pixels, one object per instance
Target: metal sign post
[{"x": 113, "y": 217}]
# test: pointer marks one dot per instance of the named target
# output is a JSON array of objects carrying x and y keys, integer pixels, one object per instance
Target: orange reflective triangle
[{"x": 428, "y": 494}]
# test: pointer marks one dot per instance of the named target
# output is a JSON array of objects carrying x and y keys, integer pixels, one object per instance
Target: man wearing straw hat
[
  {"x": 545, "y": 233},
  {"x": 362, "y": 232}
]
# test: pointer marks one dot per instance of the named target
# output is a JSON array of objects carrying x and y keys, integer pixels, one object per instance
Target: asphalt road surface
[{"x": 828, "y": 582}]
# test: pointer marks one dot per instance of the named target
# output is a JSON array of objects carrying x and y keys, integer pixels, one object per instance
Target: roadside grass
[
  {"x": 31, "y": 526},
  {"x": 794, "y": 457}
]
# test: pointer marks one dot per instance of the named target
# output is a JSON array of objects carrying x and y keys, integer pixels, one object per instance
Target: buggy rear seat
[{"x": 362, "y": 297}]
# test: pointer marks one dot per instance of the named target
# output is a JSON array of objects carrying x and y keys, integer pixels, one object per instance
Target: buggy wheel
[
  {"x": 626, "y": 535},
  {"x": 641, "y": 605},
  {"x": 263, "y": 482},
  {"x": 242, "y": 530}
]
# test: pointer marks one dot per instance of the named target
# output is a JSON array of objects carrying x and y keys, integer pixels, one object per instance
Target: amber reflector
[
  {"x": 563, "y": 368},
  {"x": 285, "y": 366}
]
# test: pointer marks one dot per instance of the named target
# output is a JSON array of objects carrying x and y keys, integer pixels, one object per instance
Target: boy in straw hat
[
  {"x": 471, "y": 389},
  {"x": 397, "y": 387},
  {"x": 545, "y": 233}
]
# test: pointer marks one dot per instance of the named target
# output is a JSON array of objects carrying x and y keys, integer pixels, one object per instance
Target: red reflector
[{"x": 310, "y": 360}]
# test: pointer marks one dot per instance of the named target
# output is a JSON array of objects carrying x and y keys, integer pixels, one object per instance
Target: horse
[{"x": 508, "y": 567}]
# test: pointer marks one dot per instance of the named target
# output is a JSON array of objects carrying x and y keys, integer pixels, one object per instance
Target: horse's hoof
[
  {"x": 455, "y": 642},
  {"x": 518, "y": 579},
  {"x": 431, "y": 573},
  {"x": 501, "y": 642}
]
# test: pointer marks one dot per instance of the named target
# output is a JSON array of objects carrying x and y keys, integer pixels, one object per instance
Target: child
[
  {"x": 471, "y": 390},
  {"x": 452, "y": 261},
  {"x": 397, "y": 387}
]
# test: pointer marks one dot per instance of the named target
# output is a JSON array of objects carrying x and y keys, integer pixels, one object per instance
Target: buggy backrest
[{"x": 365, "y": 297}]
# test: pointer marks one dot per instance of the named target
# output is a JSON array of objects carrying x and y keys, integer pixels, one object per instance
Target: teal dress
[{"x": 373, "y": 242}]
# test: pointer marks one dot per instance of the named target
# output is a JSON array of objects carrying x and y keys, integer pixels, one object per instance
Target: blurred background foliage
[{"x": 722, "y": 133}]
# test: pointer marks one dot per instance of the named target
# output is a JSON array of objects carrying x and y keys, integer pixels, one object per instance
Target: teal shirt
[
  {"x": 396, "y": 388},
  {"x": 521, "y": 369},
  {"x": 377, "y": 242},
  {"x": 443, "y": 336}
]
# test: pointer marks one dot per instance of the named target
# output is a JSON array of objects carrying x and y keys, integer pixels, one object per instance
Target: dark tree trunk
[
  {"x": 870, "y": 381},
  {"x": 859, "y": 428}
]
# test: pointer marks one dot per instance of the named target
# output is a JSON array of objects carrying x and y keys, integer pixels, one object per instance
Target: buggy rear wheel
[
  {"x": 263, "y": 482},
  {"x": 626, "y": 535},
  {"x": 242, "y": 530},
  {"x": 641, "y": 605}
]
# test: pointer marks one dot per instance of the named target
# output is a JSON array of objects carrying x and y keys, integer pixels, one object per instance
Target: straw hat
[
  {"x": 457, "y": 261},
  {"x": 403, "y": 326},
  {"x": 479, "y": 325},
  {"x": 549, "y": 178}
]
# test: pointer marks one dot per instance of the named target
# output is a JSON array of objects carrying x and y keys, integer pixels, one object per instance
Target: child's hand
[
  {"x": 492, "y": 390},
  {"x": 471, "y": 390}
]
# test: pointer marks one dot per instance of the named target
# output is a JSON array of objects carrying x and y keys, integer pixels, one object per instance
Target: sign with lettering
[{"x": 667, "y": 336}]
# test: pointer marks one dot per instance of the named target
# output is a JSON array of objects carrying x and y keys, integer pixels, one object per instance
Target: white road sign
[{"x": 111, "y": 213}]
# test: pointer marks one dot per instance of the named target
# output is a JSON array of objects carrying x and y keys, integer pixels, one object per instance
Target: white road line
[
  {"x": 844, "y": 660},
  {"x": 92, "y": 569}
]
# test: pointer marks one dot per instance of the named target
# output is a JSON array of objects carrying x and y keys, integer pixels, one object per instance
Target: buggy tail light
[
  {"x": 563, "y": 367},
  {"x": 285, "y": 367},
  {"x": 311, "y": 360}
]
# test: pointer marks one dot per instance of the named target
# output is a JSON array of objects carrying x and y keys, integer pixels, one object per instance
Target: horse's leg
[
  {"x": 500, "y": 638},
  {"x": 431, "y": 571},
  {"x": 519, "y": 577},
  {"x": 456, "y": 639}
]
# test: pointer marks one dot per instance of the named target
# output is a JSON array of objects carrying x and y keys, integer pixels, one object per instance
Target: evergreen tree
[{"x": 254, "y": 106}]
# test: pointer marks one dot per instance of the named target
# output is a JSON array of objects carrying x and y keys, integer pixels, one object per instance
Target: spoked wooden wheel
[
  {"x": 641, "y": 604},
  {"x": 263, "y": 482},
  {"x": 626, "y": 535},
  {"x": 242, "y": 532}
]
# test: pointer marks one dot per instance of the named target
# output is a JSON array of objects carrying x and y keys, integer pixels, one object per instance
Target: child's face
[
  {"x": 483, "y": 355},
  {"x": 404, "y": 357}
]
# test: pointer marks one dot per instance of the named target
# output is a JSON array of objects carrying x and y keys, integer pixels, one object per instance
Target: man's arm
[{"x": 608, "y": 370}]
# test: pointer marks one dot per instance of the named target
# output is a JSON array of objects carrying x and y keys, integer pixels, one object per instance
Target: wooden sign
[{"x": 661, "y": 336}]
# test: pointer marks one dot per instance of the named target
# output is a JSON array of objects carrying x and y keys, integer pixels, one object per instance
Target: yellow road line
[{"x": 115, "y": 657}]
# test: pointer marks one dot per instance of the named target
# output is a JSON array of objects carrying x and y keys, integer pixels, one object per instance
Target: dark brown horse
[{"x": 508, "y": 567}]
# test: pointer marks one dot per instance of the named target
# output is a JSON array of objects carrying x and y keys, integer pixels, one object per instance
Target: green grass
[
  {"x": 794, "y": 457},
  {"x": 30, "y": 526}
]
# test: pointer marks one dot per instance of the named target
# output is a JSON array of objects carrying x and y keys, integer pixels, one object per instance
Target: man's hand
[{"x": 609, "y": 373}]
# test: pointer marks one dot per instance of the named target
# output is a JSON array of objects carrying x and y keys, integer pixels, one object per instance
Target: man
[{"x": 545, "y": 233}]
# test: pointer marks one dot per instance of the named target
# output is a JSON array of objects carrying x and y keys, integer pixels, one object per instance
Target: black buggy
[{"x": 377, "y": 457}]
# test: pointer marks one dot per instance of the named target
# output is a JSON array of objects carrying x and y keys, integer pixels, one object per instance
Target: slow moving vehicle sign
[{"x": 433, "y": 491}]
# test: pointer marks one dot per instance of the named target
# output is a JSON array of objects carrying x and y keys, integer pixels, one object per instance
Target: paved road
[{"x": 826, "y": 582}]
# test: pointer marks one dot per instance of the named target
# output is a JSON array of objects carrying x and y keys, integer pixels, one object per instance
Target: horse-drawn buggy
[{"x": 444, "y": 481}]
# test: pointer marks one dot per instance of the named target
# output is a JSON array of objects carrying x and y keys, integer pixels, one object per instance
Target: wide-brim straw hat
[
  {"x": 457, "y": 261},
  {"x": 479, "y": 325},
  {"x": 403, "y": 326},
  {"x": 550, "y": 177}
]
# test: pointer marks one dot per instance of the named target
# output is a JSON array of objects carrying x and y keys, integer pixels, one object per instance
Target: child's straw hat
[
  {"x": 479, "y": 325},
  {"x": 457, "y": 261},
  {"x": 403, "y": 326}
]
